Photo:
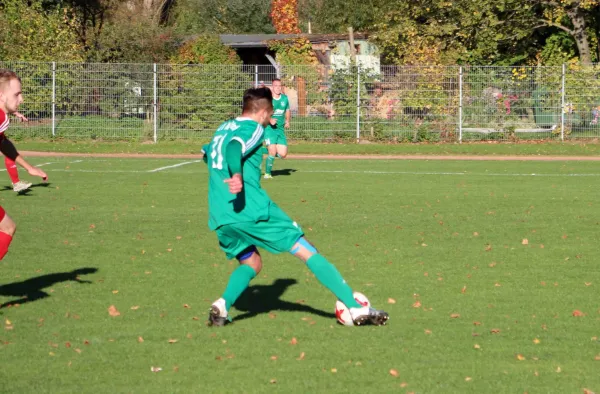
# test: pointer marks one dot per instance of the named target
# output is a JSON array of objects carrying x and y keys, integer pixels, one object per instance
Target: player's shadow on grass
[
  {"x": 31, "y": 289},
  {"x": 267, "y": 298},
  {"x": 284, "y": 172},
  {"x": 26, "y": 191}
]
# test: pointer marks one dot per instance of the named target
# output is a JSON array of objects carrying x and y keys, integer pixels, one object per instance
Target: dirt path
[{"x": 328, "y": 157}]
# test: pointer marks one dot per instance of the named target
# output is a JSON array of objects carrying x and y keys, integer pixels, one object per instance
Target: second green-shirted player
[
  {"x": 275, "y": 130},
  {"x": 244, "y": 217}
]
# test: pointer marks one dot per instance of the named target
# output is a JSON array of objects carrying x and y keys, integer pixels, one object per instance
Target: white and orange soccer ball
[{"x": 342, "y": 312}]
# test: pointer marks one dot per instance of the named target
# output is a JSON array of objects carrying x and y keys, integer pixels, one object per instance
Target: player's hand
[
  {"x": 37, "y": 172},
  {"x": 273, "y": 122},
  {"x": 287, "y": 125},
  {"x": 236, "y": 183},
  {"x": 21, "y": 116}
]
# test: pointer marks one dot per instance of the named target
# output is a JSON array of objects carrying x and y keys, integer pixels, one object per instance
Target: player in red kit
[{"x": 10, "y": 99}]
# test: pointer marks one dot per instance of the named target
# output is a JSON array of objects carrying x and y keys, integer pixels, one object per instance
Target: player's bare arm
[
  {"x": 35, "y": 171},
  {"x": 288, "y": 117},
  {"x": 21, "y": 117}
]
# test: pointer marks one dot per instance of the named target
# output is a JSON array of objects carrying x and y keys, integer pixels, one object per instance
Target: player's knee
[
  {"x": 255, "y": 262},
  {"x": 303, "y": 249},
  {"x": 8, "y": 226},
  {"x": 251, "y": 258},
  {"x": 282, "y": 154}
]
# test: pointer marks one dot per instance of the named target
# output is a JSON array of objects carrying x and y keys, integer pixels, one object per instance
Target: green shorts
[
  {"x": 275, "y": 136},
  {"x": 277, "y": 234}
]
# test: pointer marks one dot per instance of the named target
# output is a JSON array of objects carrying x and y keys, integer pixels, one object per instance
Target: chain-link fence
[{"x": 392, "y": 103}]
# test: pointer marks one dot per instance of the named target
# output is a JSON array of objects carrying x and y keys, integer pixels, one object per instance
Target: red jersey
[{"x": 4, "y": 121}]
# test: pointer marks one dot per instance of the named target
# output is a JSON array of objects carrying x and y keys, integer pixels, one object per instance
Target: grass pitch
[{"x": 489, "y": 273}]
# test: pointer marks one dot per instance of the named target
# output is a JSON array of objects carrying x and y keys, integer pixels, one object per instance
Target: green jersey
[
  {"x": 280, "y": 106},
  {"x": 252, "y": 204}
]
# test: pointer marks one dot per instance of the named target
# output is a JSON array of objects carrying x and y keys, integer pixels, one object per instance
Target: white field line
[
  {"x": 174, "y": 165},
  {"x": 482, "y": 174}
]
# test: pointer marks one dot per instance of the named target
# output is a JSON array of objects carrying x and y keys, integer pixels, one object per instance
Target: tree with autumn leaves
[{"x": 284, "y": 16}]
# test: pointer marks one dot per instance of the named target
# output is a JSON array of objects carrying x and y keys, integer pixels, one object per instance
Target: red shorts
[{"x": 2, "y": 213}]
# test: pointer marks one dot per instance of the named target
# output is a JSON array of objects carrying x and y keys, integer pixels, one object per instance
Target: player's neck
[
  {"x": 250, "y": 116},
  {"x": 277, "y": 97}
]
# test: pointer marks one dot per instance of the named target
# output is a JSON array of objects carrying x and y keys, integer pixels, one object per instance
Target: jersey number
[{"x": 216, "y": 152}]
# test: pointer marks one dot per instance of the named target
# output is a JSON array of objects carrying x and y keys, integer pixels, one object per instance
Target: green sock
[
  {"x": 238, "y": 282},
  {"x": 331, "y": 278},
  {"x": 269, "y": 166}
]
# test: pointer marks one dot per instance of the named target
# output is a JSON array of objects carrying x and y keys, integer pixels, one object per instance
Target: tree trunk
[{"x": 577, "y": 17}]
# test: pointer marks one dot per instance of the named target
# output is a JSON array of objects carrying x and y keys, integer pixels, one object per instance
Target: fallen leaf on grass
[
  {"x": 587, "y": 391},
  {"x": 140, "y": 339},
  {"x": 558, "y": 370},
  {"x": 173, "y": 340},
  {"x": 520, "y": 357},
  {"x": 394, "y": 373},
  {"x": 525, "y": 241},
  {"x": 115, "y": 291},
  {"x": 112, "y": 310},
  {"x": 468, "y": 379},
  {"x": 455, "y": 315},
  {"x": 536, "y": 341},
  {"x": 597, "y": 358},
  {"x": 301, "y": 356},
  {"x": 427, "y": 332},
  {"x": 135, "y": 307},
  {"x": 391, "y": 301},
  {"x": 495, "y": 330},
  {"x": 464, "y": 289},
  {"x": 186, "y": 306},
  {"x": 578, "y": 313},
  {"x": 272, "y": 316},
  {"x": 333, "y": 370},
  {"x": 476, "y": 346},
  {"x": 155, "y": 369},
  {"x": 294, "y": 341},
  {"x": 417, "y": 304},
  {"x": 273, "y": 381}
]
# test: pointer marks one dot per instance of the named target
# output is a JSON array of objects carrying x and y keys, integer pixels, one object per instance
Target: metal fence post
[
  {"x": 256, "y": 75},
  {"x": 460, "y": 103},
  {"x": 357, "y": 102},
  {"x": 562, "y": 106},
  {"x": 155, "y": 103},
  {"x": 53, "y": 99}
]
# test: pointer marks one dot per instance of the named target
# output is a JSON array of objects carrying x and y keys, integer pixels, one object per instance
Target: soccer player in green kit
[
  {"x": 244, "y": 217},
  {"x": 275, "y": 131}
]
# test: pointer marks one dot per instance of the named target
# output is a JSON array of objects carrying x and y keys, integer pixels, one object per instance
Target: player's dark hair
[
  {"x": 276, "y": 79},
  {"x": 256, "y": 99}
]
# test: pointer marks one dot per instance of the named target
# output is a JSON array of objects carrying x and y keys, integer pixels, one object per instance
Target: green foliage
[
  {"x": 205, "y": 49},
  {"x": 344, "y": 89},
  {"x": 559, "y": 48},
  {"x": 203, "y": 86},
  {"x": 215, "y": 16},
  {"x": 31, "y": 33},
  {"x": 335, "y": 16}
]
